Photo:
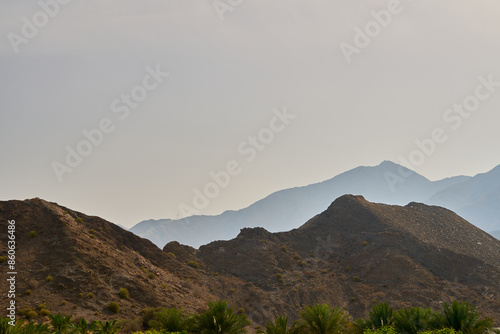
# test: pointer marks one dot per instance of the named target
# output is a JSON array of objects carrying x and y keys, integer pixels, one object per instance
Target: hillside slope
[
  {"x": 357, "y": 252},
  {"x": 352, "y": 255}
]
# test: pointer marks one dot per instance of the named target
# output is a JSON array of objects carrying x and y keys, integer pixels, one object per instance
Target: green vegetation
[
  {"x": 123, "y": 293},
  {"x": 193, "y": 264},
  {"x": 321, "y": 319},
  {"x": 49, "y": 278},
  {"x": 3, "y": 259},
  {"x": 280, "y": 326},
  {"x": 219, "y": 319},
  {"x": 79, "y": 220},
  {"x": 171, "y": 320},
  {"x": 114, "y": 307},
  {"x": 454, "y": 318},
  {"x": 33, "y": 234},
  {"x": 60, "y": 324}
]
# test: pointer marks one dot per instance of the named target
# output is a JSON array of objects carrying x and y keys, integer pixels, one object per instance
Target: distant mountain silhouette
[
  {"x": 476, "y": 199},
  {"x": 287, "y": 209}
]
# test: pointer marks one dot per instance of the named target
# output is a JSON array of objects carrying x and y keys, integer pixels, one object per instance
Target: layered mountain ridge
[
  {"x": 475, "y": 198},
  {"x": 354, "y": 254}
]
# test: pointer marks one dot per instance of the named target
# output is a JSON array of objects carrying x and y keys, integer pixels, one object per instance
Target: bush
[
  {"x": 151, "y": 276},
  {"x": 193, "y": 264},
  {"x": 32, "y": 314},
  {"x": 49, "y": 278},
  {"x": 3, "y": 259},
  {"x": 284, "y": 249},
  {"x": 170, "y": 320},
  {"x": 79, "y": 220},
  {"x": 114, "y": 307},
  {"x": 27, "y": 292},
  {"x": 123, "y": 293},
  {"x": 90, "y": 295},
  {"x": 356, "y": 279},
  {"x": 172, "y": 255},
  {"x": 33, "y": 234},
  {"x": 44, "y": 312}
]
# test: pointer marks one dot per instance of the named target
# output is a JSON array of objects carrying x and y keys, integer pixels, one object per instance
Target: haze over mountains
[
  {"x": 352, "y": 255},
  {"x": 476, "y": 198}
]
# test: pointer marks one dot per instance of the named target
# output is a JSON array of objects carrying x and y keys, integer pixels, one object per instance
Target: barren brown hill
[
  {"x": 90, "y": 259},
  {"x": 358, "y": 253},
  {"x": 352, "y": 255}
]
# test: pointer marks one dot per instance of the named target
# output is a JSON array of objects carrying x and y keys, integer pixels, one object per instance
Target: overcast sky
[{"x": 233, "y": 66}]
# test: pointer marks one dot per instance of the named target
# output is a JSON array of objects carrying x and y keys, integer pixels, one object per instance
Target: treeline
[{"x": 454, "y": 318}]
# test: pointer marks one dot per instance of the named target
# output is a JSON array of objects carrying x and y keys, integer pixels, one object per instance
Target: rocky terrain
[{"x": 352, "y": 255}]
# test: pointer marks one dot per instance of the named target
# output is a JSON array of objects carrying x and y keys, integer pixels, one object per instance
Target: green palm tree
[
  {"x": 83, "y": 327},
  {"x": 60, "y": 324},
  {"x": 464, "y": 318},
  {"x": 5, "y": 328},
  {"x": 321, "y": 319},
  {"x": 412, "y": 320},
  {"x": 171, "y": 320},
  {"x": 32, "y": 328},
  {"x": 108, "y": 327},
  {"x": 280, "y": 326},
  {"x": 381, "y": 315},
  {"x": 219, "y": 319}
]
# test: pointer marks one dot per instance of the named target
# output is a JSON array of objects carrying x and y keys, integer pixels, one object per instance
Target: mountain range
[
  {"x": 476, "y": 198},
  {"x": 352, "y": 255}
]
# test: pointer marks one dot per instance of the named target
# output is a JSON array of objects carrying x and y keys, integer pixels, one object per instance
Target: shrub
[
  {"x": 92, "y": 231},
  {"x": 193, "y": 264},
  {"x": 90, "y": 295},
  {"x": 123, "y": 293},
  {"x": 172, "y": 255},
  {"x": 296, "y": 256},
  {"x": 79, "y": 220},
  {"x": 284, "y": 249},
  {"x": 33, "y": 234},
  {"x": 32, "y": 314},
  {"x": 356, "y": 279},
  {"x": 27, "y": 292},
  {"x": 49, "y": 278},
  {"x": 44, "y": 312},
  {"x": 151, "y": 276},
  {"x": 365, "y": 243},
  {"x": 3, "y": 259},
  {"x": 114, "y": 307}
]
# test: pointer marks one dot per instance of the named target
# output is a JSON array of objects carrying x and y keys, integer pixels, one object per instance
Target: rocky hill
[{"x": 352, "y": 255}]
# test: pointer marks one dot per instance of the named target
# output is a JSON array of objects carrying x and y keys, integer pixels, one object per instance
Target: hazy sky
[{"x": 89, "y": 63}]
